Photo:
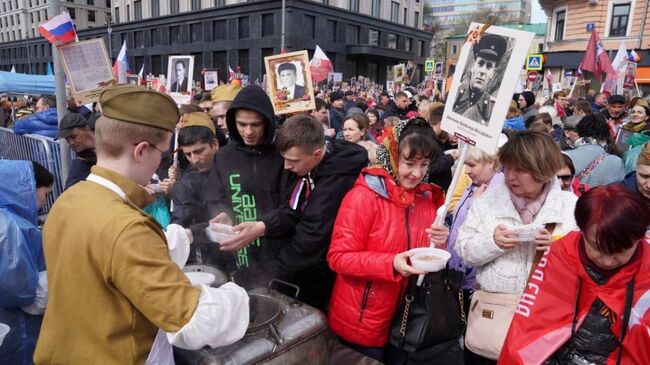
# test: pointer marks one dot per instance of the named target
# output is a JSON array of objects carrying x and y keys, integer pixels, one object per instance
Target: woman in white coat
[{"x": 489, "y": 239}]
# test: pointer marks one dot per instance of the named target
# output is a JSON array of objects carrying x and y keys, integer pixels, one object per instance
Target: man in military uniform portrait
[{"x": 474, "y": 100}]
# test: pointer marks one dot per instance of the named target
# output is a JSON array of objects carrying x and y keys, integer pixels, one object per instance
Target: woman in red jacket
[{"x": 388, "y": 211}]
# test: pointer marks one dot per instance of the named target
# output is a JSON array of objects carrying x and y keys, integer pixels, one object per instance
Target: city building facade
[
  {"x": 447, "y": 13},
  {"x": 243, "y": 34},
  {"x": 19, "y": 19},
  {"x": 617, "y": 21},
  {"x": 407, "y": 12}
]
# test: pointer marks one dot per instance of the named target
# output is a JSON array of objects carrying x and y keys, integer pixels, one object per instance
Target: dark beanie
[{"x": 530, "y": 98}]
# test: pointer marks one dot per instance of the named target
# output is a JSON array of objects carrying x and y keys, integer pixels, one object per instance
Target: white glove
[
  {"x": 220, "y": 319},
  {"x": 178, "y": 243},
  {"x": 40, "y": 302}
]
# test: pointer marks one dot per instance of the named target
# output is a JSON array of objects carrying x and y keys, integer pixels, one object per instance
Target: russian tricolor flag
[{"x": 59, "y": 28}]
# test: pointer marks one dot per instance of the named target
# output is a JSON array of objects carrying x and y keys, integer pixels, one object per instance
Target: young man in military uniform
[
  {"x": 112, "y": 282},
  {"x": 474, "y": 101}
]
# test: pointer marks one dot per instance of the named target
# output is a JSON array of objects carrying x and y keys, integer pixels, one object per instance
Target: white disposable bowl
[
  {"x": 429, "y": 259},
  {"x": 527, "y": 233},
  {"x": 219, "y": 237},
  {"x": 4, "y": 330},
  {"x": 200, "y": 278}
]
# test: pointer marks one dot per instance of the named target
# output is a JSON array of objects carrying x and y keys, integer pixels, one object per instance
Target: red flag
[
  {"x": 320, "y": 66},
  {"x": 544, "y": 316},
  {"x": 595, "y": 58}
]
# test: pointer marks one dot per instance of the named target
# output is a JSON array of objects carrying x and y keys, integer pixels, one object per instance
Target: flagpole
[
  {"x": 282, "y": 45},
  {"x": 61, "y": 99}
]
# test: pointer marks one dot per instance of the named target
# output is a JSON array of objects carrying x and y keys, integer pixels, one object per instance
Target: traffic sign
[
  {"x": 532, "y": 76},
  {"x": 534, "y": 62},
  {"x": 428, "y": 65}
]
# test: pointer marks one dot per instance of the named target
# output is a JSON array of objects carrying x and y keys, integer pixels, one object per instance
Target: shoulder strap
[
  {"x": 592, "y": 165},
  {"x": 626, "y": 317}
]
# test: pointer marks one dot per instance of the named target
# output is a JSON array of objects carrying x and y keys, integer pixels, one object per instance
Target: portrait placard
[
  {"x": 179, "y": 78},
  {"x": 133, "y": 79},
  {"x": 87, "y": 68},
  {"x": 210, "y": 79},
  {"x": 398, "y": 72},
  {"x": 289, "y": 82},
  {"x": 486, "y": 74}
]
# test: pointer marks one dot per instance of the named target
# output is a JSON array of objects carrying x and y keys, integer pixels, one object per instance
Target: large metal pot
[{"x": 220, "y": 277}]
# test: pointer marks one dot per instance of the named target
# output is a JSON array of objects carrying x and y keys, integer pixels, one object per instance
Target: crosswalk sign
[
  {"x": 534, "y": 62},
  {"x": 428, "y": 65}
]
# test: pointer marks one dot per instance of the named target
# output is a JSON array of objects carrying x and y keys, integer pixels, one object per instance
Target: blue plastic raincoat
[{"x": 21, "y": 259}]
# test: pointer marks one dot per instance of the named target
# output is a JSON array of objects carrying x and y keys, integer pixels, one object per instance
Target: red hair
[{"x": 616, "y": 216}]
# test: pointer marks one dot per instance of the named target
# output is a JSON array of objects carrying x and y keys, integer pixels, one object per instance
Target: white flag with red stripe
[{"x": 320, "y": 66}]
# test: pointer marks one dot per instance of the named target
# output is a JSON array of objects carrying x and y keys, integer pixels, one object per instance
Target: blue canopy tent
[{"x": 21, "y": 84}]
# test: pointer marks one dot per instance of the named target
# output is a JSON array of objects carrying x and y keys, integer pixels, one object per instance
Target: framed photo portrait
[
  {"x": 398, "y": 72},
  {"x": 289, "y": 82},
  {"x": 210, "y": 79},
  {"x": 87, "y": 68},
  {"x": 133, "y": 79},
  {"x": 179, "y": 78},
  {"x": 484, "y": 81}
]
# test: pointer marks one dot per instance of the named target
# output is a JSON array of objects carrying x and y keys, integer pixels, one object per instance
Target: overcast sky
[{"x": 538, "y": 15}]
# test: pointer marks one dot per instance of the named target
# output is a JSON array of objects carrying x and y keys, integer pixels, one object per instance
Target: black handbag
[{"x": 429, "y": 314}]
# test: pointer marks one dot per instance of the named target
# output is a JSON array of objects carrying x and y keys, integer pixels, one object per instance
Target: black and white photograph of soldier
[
  {"x": 483, "y": 72},
  {"x": 179, "y": 74},
  {"x": 288, "y": 75}
]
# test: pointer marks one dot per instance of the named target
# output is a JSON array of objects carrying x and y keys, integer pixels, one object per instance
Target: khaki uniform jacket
[{"x": 111, "y": 281}]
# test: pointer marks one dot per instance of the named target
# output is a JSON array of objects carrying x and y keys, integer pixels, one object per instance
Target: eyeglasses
[
  {"x": 151, "y": 145},
  {"x": 565, "y": 178}
]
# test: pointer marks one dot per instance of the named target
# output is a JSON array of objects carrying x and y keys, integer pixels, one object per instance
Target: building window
[
  {"x": 242, "y": 60},
  {"x": 243, "y": 27},
  {"x": 408, "y": 44},
  {"x": 31, "y": 18},
  {"x": 196, "y": 4},
  {"x": 310, "y": 26},
  {"x": 174, "y": 6},
  {"x": 137, "y": 10},
  {"x": 117, "y": 14},
  {"x": 540, "y": 47},
  {"x": 108, "y": 3},
  {"x": 196, "y": 32},
  {"x": 416, "y": 20},
  {"x": 219, "y": 29},
  {"x": 156, "y": 37},
  {"x": 454, "y": 49},
  {"x": 71, "y": 11},
  {"x": 90, "y": 2},
  {"x": 421, "y": 50},
  {"x": 394, "y": 11},
  {"x": 375, "y": 7},
  {"x": 18, "y": 19},
  {"x": 219, "y": 3},
  {"x": 560, "y": 20},
  {"x": 354, "y": 5},
  {"x": 128, "y": 12},
  {"x": 352, "y": 34},
  {"x": 91, "y": 16},
  {"x": 373, "y": 37},
  {"x": 406, "y": 16},
  {"x": 267, "y": 24},
  {"x": 620, "y": 19},
  {"x": 175, "y": 35},
  {"x": 392, "y": 40},
  {"x": 155, "y": 8},
  {"x": 331, "y": 30},
  {"x": 138, "y": 38}
]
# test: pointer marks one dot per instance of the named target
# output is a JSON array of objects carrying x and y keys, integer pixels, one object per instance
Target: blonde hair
[
  {"x": 479, "y": 156},
  {"x": 113, "y": 137}
]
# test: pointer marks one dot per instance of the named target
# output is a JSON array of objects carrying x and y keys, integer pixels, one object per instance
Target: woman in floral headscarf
[{"x": 387, "y": 212}]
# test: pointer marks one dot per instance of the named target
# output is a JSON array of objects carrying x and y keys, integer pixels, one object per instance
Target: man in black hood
[
  {"x": 252, "y": 182},
  {"x": 327, "y": 171}
]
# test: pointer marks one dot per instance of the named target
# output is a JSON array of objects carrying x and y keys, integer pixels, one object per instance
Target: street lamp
[
  {"x": 109, "y": 21},
  {"x": 29, "y": 56}
]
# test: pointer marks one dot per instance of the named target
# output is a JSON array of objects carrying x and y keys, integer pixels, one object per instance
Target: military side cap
[
  {"x": 643, "y": 103},
  {"x": 135, "y": 104},
  {"x": 225, "y": 92},
  {"x": 491, "y": 46},
  {"x": 644, "y": 156},
  {"x": 69, "y": 122},
  {"x": 198, "y": 119}
]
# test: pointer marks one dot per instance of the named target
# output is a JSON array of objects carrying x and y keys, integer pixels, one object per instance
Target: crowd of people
[{"x": 332, "y": 200}]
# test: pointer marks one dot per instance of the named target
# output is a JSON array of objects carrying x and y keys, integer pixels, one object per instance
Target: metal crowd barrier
[{"x": 44, "y": 150}]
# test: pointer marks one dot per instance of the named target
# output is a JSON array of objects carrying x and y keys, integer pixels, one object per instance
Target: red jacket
[
  {"x": 370, "y": 229},
  {"x": 544, "y": 316}
]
